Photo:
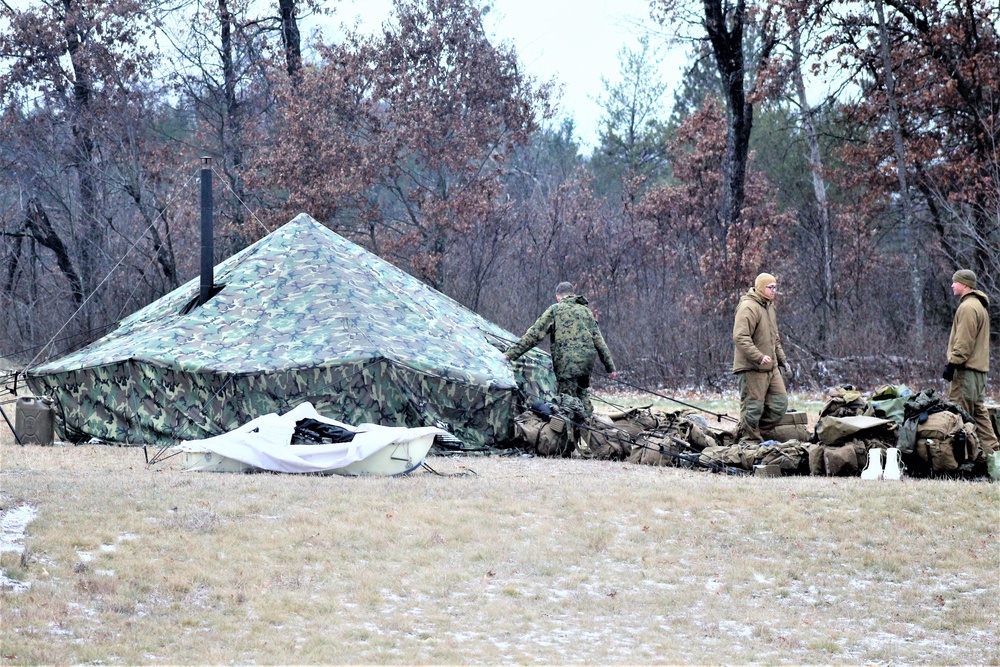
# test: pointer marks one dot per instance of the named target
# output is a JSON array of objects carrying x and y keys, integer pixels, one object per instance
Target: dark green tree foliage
[
  {"x": 632, "y": 150},
  {"x": 700, "y": 80}
]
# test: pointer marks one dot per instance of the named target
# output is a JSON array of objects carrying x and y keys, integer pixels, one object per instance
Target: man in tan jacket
[
  {"x": 757, "y": 355},
  {"x": 969, "y": 355}
]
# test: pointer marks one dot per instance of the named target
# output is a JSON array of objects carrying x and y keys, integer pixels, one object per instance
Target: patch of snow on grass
[{"x": 13, "y": 529}]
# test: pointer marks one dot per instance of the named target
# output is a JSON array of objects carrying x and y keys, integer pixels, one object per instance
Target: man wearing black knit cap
[{"x": 969, "y": 355}]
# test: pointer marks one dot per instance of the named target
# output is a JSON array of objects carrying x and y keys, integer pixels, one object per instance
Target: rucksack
[
  {"x": 655, "y": 450},
  {"x": 545, "y": 436},
  {"x": 602, "y": 439},
  {"x": 916, "y": 410},
  {"x": 844, "y": 402},
  {"x": 944, "y": 441}
]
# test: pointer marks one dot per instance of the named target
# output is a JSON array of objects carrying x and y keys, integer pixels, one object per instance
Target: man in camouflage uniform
[
  {"x": 576, "y": 342},
  {"x": 969, "y": 355},
  {"x": 757, "y": 355}
]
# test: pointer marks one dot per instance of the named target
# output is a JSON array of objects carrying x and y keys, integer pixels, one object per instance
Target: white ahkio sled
[{"x": 265, "y": 444}]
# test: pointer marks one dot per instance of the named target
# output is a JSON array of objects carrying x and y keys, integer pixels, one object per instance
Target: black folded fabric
[{"x": 314, "y": 432}]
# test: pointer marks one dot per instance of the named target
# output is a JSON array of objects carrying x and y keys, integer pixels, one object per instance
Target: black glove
[{"x": 949, "y": 372}]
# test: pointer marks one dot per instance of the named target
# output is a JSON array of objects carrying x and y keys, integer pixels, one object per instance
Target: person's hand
[
  {"x": 613, "y": 374},
  {"x": 949, "y": 372},
  {"x": 789, "y": 370},
  {"x": 766, "y": 360}
]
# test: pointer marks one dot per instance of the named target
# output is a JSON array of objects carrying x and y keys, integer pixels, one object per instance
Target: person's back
[
  {"x": 573, "y": 339},
  {"x": 576, "y": 343}
]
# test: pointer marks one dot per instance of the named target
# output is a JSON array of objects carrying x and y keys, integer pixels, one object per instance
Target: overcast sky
[{"x": 575, "y": 42}]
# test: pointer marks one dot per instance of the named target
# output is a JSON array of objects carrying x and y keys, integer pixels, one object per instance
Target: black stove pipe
[{"x": 207, "y": 244}]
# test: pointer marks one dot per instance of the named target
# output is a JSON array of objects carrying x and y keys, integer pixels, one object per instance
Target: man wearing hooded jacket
[
  {"x": 576, "y": 342},
  {"x": 756, "y": 357},
  {"x": 969, "y": 355}
]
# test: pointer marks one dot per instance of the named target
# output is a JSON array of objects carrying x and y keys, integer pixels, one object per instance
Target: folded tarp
[{"x": 265, "y": 443}]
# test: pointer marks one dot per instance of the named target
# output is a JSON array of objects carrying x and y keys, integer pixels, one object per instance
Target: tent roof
[{"x": 304, "y": 297}]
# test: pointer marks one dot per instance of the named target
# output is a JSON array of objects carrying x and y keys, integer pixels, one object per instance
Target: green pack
[{"x": 888, "y": 402}]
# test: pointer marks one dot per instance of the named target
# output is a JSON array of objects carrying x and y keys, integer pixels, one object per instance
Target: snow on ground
[{"x": 13, "y": 529}]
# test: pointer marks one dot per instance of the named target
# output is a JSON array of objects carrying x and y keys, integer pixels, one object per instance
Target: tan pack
[
  {"x": 793, "y": 426},
  {"x": 936, "y": 441},
  {"x": 546, "y": 437}
]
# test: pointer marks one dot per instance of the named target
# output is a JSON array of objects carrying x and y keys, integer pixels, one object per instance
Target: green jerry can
[{"x": 34, "y": 420}]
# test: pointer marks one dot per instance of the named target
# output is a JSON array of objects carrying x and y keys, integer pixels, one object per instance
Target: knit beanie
[
  {"x": 966, "y": 277},
  {"x": 762, "y": 281}
]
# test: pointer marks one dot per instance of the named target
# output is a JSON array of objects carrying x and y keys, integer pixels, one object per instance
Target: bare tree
[{"x": 910, "y": 235}]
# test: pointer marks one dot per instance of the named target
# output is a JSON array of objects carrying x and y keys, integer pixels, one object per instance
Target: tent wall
[{"x": 141, "y": 403}]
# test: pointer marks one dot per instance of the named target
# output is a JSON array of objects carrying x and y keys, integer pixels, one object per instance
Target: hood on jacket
[
  {"x": 752, "y": 294},
  {"x": 979, "y": 295}
]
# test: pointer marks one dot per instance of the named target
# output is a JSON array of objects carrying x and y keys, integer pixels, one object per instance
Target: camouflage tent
[{"x": 302, "y": 315}]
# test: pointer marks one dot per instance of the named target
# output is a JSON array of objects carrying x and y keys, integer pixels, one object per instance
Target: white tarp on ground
[{"x": 265, "y": 442}]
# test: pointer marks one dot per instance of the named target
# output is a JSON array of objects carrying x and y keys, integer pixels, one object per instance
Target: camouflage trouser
[
  {"x": 967, "y": 390},
  {"x": 763, "y": 401},
  {"x": 578, "y": 388}
]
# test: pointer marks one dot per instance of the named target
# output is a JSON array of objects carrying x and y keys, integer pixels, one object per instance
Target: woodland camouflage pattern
[
  {"x": 304, "y": 315},
  {"x": 576, "y": 338}
]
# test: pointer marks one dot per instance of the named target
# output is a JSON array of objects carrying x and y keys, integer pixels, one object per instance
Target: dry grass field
[{"x": 526, "y": 561}]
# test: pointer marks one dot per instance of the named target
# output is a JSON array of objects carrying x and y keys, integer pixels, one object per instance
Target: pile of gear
[{"x": 934, "y": 438}]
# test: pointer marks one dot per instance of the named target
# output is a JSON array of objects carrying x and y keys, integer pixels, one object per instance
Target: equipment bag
[
  {"x": 844, "y": 460},
  {"x": 793, "y": 426},
  {"x": 604, "y": 440},
  {"x": 653, "y": 450},
  {"x": 937, "y": 438},
  {"x": 556, "y": 438},
  {"x": 527, "y": 426}
]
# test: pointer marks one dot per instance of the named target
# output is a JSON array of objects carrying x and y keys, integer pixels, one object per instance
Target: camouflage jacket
[
  {"x": 755, "y": 334},
  {"x": 576, "y": 338},
  {"x": 969, "y": 342}
]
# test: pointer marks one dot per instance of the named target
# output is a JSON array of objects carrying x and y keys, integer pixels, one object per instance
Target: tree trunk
[
  {"x": 727, "y": 47},
  {"x": 819, "y": 188},
  {"x": 290, "y": 37},
  {"x": 231, "y": 128},
  {"x": 908, "y": 222},
  {"x": 90, "y": 237},
  {"x": 38, "y": 226},
  {"x": 228, "y": 72}
]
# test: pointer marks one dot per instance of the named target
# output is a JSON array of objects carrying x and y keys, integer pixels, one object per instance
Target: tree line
[{"x": 428, "y": 144}]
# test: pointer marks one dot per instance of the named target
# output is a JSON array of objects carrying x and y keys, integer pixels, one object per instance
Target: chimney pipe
[{"x": 207, "y": 245}]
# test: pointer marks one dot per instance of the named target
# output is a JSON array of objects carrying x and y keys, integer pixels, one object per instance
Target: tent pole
[{"x": 12, "y": 429}]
